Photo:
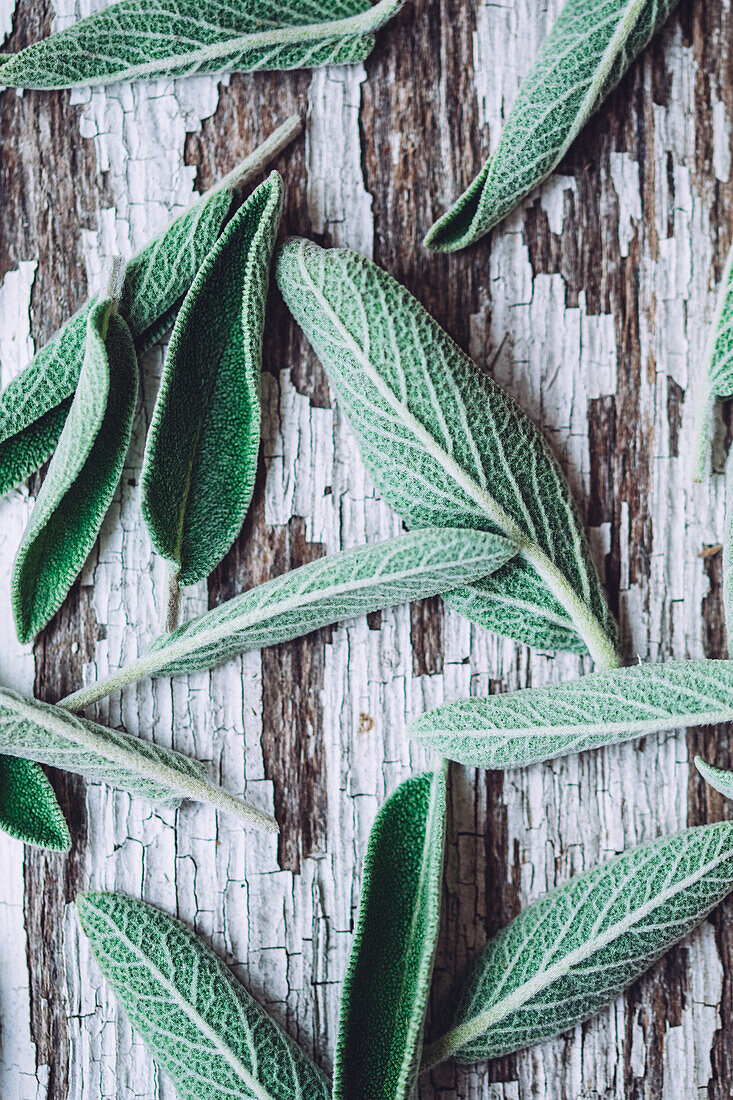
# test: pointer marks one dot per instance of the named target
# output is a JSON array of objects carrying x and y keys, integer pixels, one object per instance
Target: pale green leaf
[
  {"x": 385, "y": 993},
  {"x": 524, "y": 727},
  {"x": 29, "y": 810},
  {"x": 587, "y": 52},
  {"x": 50, "y": 735},
  {"x": 720, "y": 779},
  {"x": 200, "y": 1024},
  {"x": 82, "y": 477},
  {"x": 448, "y": 448},
  {"x": 329, "y": 590},
  {"x": 718, "y": 380},
  {"x": 34, "y": 406},
  {"x": 571, "y": 953},
  {"x": 137, "y": 40},
  {"x": 201, "y": 454}
]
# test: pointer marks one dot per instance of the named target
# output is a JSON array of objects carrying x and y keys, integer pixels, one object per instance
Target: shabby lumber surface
[{"x": 591, "y": 305}]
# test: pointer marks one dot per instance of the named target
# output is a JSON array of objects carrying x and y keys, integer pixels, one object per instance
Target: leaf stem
[
  {"x": 258, "y": 160},
  {"x": 174, "y": 599}
]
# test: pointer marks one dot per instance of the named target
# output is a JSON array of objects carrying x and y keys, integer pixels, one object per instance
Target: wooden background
[{"x": 591, "y": 305}]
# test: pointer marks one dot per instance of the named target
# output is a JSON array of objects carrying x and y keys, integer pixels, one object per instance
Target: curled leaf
[
  {"x": 718, "y": 381},
  {"x": 29, "y": 809},
  {"x": 199, "y": 1023},
  {"x": 585, "y": 55},
  {"x": 201, "y": 454},
  {"x": 720, "y": 779}
]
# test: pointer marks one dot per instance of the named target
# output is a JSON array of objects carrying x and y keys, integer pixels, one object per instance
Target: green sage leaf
[
  {"x": 718, "y": 382},
  {"x": 585, "y": 55},
  {"x": 720, "y": 779},
  {"x": 135, "y": 40},
  {"x": 83, "y": 475},
  {"x": 29, "y": 809},
  {"x": 34, "y": 406},
  {"x": 50, "y": 735},
  {"x": 385, "y": 994},
  {"x": 329, "y": 590},
  {"x": 448, "y": 448},
  {"x": 565, "y": 957},
  {"x": 200, "y": 1024},
  {"x": 524, "y": 727},
  {"x": 201, "y": 455}
]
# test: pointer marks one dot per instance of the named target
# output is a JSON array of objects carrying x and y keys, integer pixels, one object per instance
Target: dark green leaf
[{"x": 29, "y": 810}]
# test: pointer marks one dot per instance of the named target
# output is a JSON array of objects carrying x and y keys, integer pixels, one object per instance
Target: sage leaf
[
  {"x": 585, "y": 55},
  {"x": 200, "y": 1024},
  {"x": 50, "y": 735},
  {"x": 718, "y": 382},
  {"x": 201, "y": 454},
  {"x": 565, "y": 957},
  {"x": 83, "y": 475},
  {"x": 387, "y": 982},
  {"x": 34, "y": 406},
  {"x": 136, "y": 40},
  {"x": 524, "y": 727},
  {"x": 329, "y": 590},
  {"x": 29, "y": 810},
  {"x": 720, "y": 779},
  {"x": 448, "y": 448}
]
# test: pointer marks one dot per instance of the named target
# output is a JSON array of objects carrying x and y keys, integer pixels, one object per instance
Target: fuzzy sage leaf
[
  {"x": 718, "y": 382},
  {"x": 201, "y": 454},
  {"x": 50, "y": 735},
  {"x": 571, "y": 953},
  {"x": 720, "y": 779},
  {"x": 585, "y": 55},
  {"x": 387, "y": 982},
  {"x": 524, "y": 727},
  {"x": 34, "y": 406},
  {"x": 448, "y": 448},
  {"x": 83, "y": 474},
  {"x": 200, "y": 1024},
  {"x": 29, "y": 809},
  {"x": 340, "y": 586},
  {"x": 135, "y": 40}
]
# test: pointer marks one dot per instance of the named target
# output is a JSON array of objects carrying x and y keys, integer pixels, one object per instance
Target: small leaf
[
  {"x": 29, "y": 810},
  {"x": 718, "y": 382},
  {"x": 50, "y": 735},
  {"x": 340, "y": 586},
  {"x": 571, "y": 953},
  {"x": 719, "y": 779},
  {"x": 135, "y": 40},
  {"x": 83, "y": 475},
  {"x": 201, "y": 455},
  {"x": 524, "y": 727},
  {"x": 34, "y": 406},
  {"x": 387, "y": 982},
  {"x": 200, "y": 1024},
  {"x": 585, "y": 55},
  {"x": 448, "y": 448}
]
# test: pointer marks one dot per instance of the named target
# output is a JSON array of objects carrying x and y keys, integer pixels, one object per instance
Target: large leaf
[
  {"x": 83, "y": 475},
  {"x": 34, "y": 406},
  {"x": 29, "y": 810},
  {"x": 523, "y": 727},
  {"x": 50, "y": 735},
  {"x": 387, "y": 982},
  {"x": 137, "y": 40},
  {"x": 718, "y": 381},
  {"x": 587, "y": 52},
  {"x": 448, "y": 448},
  {"x": 201, "y": 454},
  {"x": 211, "y": 1038},
  {"x": 565, "y": 957},
  {"x": 340, "y": 586}
]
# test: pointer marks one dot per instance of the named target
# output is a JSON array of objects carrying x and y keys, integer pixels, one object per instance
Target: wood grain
[{"x": 591, "y": 305}]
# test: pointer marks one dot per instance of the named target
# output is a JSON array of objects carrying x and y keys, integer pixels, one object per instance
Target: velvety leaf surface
[
  {"x": 387, "y": 982},
  {"x": 524, "y": 727},
  {"x": 330, "y": 590},
  {"x": 200, "y": 1024},
  {"x": 29, "y": 810},
  {"x": 50, "y": 735},
  {"x": 83, "y": 474},
  {"x": 201, "y": 454},
  {"x": 448, "y": 448},
  {"x": 587, "y": 52},
  {"x": 718, "y": 381},
  {"x": 139, "y": 40},
  {"x": 720, "y": 779},
  {"x": 565, "y": 957}
]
